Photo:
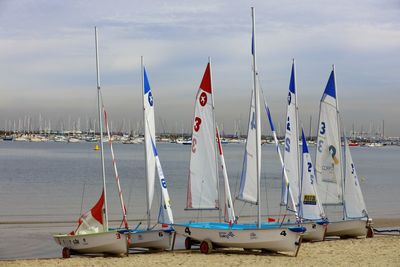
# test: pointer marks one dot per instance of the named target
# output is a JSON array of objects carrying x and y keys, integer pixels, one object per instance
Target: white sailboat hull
[
  {"x": 111, "y": 242},
  {"x": 273, "y": 239},
  {"x": 152, "y": 239},
  {"x": 347, "y": 228},
  {"x": 315, "y": 231}
]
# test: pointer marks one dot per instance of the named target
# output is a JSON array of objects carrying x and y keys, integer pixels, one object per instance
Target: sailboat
[
  {"x": 337, "y": 181},
  {"x": 92, "y": 235},
  {"x": 203, "y": 185},
  {"x": 310, "y": 211},
  {"x": 153, "y": 237}
]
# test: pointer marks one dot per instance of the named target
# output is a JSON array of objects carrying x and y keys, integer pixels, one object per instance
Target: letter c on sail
[{"x": 194, "y": 143}]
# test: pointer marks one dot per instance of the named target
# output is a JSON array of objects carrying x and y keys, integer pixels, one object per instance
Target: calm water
[{"x": 50, "y": 184}]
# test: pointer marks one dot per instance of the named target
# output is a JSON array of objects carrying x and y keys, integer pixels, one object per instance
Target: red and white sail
[
  {"x": 202, "y": 192},
  {"x": 92, "y": 221}
]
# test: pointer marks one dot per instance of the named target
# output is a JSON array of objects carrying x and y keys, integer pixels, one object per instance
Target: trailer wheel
[
  {"x": 206, "y": 247},
  {"x": 66, "y": 253}
]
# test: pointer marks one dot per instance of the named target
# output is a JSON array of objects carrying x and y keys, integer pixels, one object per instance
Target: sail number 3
[{"x": 197, "y": 122}]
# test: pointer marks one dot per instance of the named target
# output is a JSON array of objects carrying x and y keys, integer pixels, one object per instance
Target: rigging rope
[{"x": 124, "y": 219}]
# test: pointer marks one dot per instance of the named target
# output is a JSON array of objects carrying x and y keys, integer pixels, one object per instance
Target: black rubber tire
[
  {"x": 370, "y": 232},
  {"x": 188, "y": 243}
]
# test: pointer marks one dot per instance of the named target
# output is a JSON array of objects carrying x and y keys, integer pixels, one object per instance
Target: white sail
[
  {"x": 291, "y": 145},
  {"x": 202, "y": 190},
  {"x": 353, "y": 197},
  {"x": 310, "y": 205},
  {"x": 286, "y": 190},
  {"x": 251, "y": 172},
  {"x": 328, "y": 161},
  {"x": 229, "y": 210},
  {"x": 165, "y": 209},
  {"x": 149, "y": 132},
  {"x": 248, "y": 179}
]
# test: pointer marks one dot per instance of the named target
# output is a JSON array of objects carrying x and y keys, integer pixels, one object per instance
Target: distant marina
[{"x": 78, "y": 136}]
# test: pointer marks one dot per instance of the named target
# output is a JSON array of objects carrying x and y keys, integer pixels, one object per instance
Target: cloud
[{"x": 48, "y": 51}]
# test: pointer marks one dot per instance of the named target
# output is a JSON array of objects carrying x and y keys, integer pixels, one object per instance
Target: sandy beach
[{"x": 378, "y": 251}]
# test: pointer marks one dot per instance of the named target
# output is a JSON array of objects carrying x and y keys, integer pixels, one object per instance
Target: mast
[
  {"x": 296, "y": 143},
  {"x": 340, "y": 141},
  {"x": 145, "y": 150},
  {"x": 216, "y": 152},
  {"x": 257, "y": 117},
  {"x": 103, "y": 172}
]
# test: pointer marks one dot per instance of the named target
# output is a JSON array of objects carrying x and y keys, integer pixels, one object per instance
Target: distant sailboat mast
[{"x": 103, "y": 172}]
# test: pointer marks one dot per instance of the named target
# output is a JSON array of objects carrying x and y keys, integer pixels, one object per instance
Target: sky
[{"x": 47, "y": 59}]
